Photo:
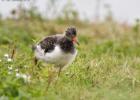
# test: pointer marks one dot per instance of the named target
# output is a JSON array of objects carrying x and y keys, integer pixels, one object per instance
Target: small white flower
[
  {"x": 16, "y": 70},
  {"x": 10, "y": 68},
  {"x": 6, "y": 55},
  {"x": 10, "y": 72},
  {"x": 24, "y": 76},
  {"x": 9, "y": 60},
  {"x": 17, "y": 75}
]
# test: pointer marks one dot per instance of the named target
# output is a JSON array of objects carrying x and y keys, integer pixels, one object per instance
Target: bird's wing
[{"x": 48, "y": 44}]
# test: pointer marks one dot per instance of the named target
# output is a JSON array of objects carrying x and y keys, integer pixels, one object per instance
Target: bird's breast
[{"x": 56, "y": 56}]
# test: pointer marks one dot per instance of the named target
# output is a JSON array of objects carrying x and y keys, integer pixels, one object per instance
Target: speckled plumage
[
  {"x": 49, "y": 43},
  {"x": 57, "y": 49}
]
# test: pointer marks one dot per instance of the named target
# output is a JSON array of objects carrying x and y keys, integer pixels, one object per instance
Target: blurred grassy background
[{"x": 107, "y": 66}]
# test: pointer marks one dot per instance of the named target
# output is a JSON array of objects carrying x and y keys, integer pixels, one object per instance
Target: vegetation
[{"x": 107, "y": 66}]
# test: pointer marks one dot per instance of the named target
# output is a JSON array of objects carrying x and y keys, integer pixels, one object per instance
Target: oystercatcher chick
[{"x": 58, "y": 49}]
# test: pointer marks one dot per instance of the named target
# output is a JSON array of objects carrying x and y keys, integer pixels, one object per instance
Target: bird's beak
[{"x": 75, "y": 40}]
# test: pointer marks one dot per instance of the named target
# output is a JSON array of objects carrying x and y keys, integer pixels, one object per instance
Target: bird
[{"x": 59, "y": 50}]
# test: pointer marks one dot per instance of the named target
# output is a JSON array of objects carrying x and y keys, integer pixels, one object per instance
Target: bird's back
[{"x": 56, "y": 50}]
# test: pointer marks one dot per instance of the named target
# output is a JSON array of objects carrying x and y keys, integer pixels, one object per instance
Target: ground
[{"x": 107, "y": 66}]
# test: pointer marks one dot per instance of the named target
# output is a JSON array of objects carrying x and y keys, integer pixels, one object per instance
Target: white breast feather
[{"x": 57, "y": 56}]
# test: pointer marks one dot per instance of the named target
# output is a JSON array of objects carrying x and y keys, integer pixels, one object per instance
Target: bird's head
[{"x": 71, "y": 34}]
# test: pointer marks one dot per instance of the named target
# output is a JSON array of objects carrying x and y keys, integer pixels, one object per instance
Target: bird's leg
[
  {"x": 59, "y": 71},
  {"x": 51, "y": 77},
  {"x": 35, "y": 61},
  {"x": 36, "y": 64}
]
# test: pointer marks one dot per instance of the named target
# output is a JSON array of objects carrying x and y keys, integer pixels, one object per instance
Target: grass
[{"x": 107, "y": 66}]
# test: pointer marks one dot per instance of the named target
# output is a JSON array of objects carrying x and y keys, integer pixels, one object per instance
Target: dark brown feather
[{"x": 49, "y": 43}]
